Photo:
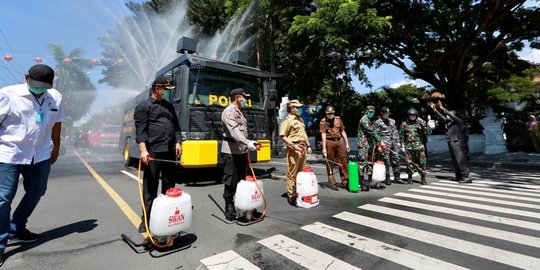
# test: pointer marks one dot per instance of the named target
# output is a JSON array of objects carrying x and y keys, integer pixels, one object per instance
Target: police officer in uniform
[
  {"x": 456, "y": 142},
  {"x": 386, "y": 128},
  {"x": 293, "y": 133},
  {"x": 366, "y": 140},
  {"x": 332, "y": 131},
  {"x": 234, "y": 148},
  {"x": 412, "y": 135}
]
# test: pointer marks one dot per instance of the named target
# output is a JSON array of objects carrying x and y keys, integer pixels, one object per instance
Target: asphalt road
[{"x": 92, "y": 199}]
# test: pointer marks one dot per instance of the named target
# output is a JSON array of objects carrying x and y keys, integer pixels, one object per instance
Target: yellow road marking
[{"x": 130, "y": 214}]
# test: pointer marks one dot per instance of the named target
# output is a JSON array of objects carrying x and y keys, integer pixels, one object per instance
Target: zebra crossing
[{"x": 444, "y": 225}]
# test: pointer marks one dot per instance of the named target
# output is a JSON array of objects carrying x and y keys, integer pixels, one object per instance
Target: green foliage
[
  {"x": 447, "y": 41},
  {"x": 209, "y": 16},
  {"x": 72, "y": 80}
]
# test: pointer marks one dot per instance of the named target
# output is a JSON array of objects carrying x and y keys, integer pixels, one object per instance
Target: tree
[
  {"x": 71, "y": 79},
  {"x": 447, "y": 42}
]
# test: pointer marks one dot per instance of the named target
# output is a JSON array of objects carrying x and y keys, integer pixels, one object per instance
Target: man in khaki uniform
[
  {"x": 293, "y": 134},
  {"x": 234, "y": 148},
  {"x": 332, "y": 130}
]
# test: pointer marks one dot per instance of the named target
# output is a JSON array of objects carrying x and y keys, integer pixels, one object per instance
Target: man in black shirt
[{"x": 158, "y": 135}]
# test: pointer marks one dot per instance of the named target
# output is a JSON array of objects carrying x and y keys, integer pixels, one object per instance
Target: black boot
[
  {"x": 409, "y": 179},
  {"x": 230, "y": 210},
  {"x": 291, "y": 200},
  {"x": 365, "y": 185},
  {"x": 388, "y": 180},
  {"x": 397, "y": 179},
  {"x": 423, "y": 180}
]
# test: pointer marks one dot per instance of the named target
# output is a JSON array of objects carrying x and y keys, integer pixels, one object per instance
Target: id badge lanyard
[{"x": 40, "y": 116}]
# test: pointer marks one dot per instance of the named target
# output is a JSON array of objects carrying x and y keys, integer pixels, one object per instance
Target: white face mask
[{"x": 330, "y": 116}]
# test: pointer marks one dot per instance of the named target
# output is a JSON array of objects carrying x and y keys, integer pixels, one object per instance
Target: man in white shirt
[{"x": 30, "y": 117}]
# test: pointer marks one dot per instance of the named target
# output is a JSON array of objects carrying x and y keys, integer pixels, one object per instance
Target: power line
[
  {"x": 10, "y": 49},
  {"x": 10, "y": 72}
]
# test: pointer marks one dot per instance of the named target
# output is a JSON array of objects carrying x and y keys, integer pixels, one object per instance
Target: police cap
[
  {"x": 164, "y": 81},
  {"x": 239, "y": 91}
]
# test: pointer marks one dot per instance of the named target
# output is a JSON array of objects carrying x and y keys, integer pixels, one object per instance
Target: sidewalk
[{"x": 508, "y": 160}]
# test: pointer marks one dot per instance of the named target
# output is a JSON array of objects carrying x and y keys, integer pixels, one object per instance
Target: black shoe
[
  {"x": 25, "y": 237},
  {"x": 388, "y": 182},
  {"x": 291, "y": 200},
  {"x": 230, "y": 210},
  {"x": 142, "y": 227},
  {"x": 397, "y": 179},
  {"x": 423, "y": 180},
  {"x": 1, "y": 257},
  {"x": 333, "y": 187},
  {"x": 465, "y": 181}
]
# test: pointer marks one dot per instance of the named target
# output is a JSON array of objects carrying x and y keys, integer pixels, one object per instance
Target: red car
[{"x": 107, "y": 136}]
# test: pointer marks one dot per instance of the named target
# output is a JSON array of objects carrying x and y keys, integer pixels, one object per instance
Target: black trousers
[
  {"x": 459, "y": 159},
  {"x": 152, "y": 174},
  {"x": 235, "y": 170}
]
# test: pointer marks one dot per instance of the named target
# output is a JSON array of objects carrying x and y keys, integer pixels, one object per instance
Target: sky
[{"x": 27, "y": 26}]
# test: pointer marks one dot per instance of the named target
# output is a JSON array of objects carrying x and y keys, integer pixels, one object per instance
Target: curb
[{"x": 492, "y": 165}]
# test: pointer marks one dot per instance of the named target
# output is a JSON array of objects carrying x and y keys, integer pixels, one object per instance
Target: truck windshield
[{"x": 214, "y": 88}]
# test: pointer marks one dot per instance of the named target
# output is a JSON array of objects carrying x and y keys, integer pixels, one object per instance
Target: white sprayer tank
[
  {"x": 307, "y": 188},
  {"x": 379, "y": 172},
  {"x": 171, "y": 213},
  {"x": 248, "y": 196}
]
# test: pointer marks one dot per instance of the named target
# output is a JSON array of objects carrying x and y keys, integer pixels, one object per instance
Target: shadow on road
[{"x": 77, "y": 227}]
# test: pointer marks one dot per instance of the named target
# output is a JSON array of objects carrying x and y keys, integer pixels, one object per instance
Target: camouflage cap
[
  {"x": 295, "y": 103},
  {"x": 370, "y": 108}
]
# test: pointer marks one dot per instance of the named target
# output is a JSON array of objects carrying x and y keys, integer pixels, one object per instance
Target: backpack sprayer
[
  {"x": 171, "y": 214},
  {"x": 248, "y": 197}
]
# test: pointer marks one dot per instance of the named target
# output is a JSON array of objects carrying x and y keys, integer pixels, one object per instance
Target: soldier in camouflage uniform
[
  {"x": 366, "y": 140},
  {"x": 412, "y": 135},
  {"x": 386, "y": 128}
]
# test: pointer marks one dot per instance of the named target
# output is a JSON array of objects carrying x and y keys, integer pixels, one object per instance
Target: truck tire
[{"x": 128, "y": 160}]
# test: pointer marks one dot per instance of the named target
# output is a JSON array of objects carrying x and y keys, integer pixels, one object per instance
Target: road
[{"x": 92, "y": 199}]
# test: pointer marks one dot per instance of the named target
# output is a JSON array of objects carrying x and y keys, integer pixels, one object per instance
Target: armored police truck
[{"x": 202, "y": 92}]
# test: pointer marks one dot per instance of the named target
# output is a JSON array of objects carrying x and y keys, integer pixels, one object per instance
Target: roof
[{"x": 217, "y": 64}]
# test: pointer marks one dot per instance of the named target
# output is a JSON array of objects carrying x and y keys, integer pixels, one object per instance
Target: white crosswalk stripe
[
  {"x": 228, "y": 260},
  {"x": 475, "y": 198},
  {"x": 461, "y": 213},
  {"x": 449, "y": 213},
  {"x": 471, "y": 205},
  {"x": 305, "y": 256},
  {"x": 377, "y": 248},
  {"x": 479, "y": 250},
  {"x": 521, "y": 186},
  {"x": 491, "y": 194},
  {"x": 456, "y": 225},
  {"x": 484, "y": 187}
]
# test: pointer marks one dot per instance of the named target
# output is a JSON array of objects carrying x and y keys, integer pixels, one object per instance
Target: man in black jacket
[
  {"x": 158, "y": 135},
  {"x": 456, "y": 142}
]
